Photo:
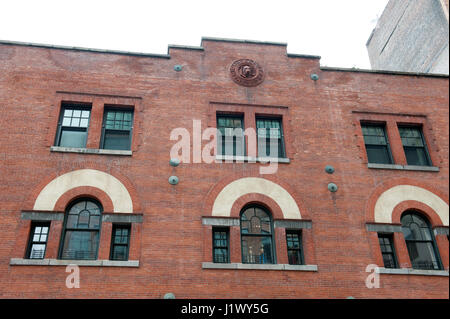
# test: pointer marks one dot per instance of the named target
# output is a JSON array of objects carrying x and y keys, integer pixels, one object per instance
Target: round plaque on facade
[{"x": 246, "y": 72}]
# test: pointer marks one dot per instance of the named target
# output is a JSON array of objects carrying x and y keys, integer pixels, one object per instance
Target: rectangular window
[
  {"x": 294, "y": 247},
  {"x": 220, "y": 245},
  {"x": 270, "y": 138},
  {"x": 116, "y": 130},
  {"x": 377, "y": 144},
  {"x": 414, "y": 145},
  {"x": 230, "y": 135},
  {"x": 73, "y": 125},
  {"x": 387, "y": 250},
  {"x": 120, "y": 242},
  {"x": 37, "y": 243}
]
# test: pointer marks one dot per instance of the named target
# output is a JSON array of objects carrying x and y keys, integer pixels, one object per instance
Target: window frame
[
  {"x": 271, "y": 235},
  {"x": 60, "y": 128},
  {"x": 225, "y": 230},
  {"x": 113, "y": 244},
  {"x": 271, "y": 118},
  {"x": 432, "y": 241},
  {"x": 223, "y": 147},
  {"x": 109, "y": 108},
  {"x": 31, "y": 241},
  {"x": 65, "y": 229},
  {"x": 422, "y": 136},
  {"x": 300, "y": 251},
  {"x": 383, "y": 125},
  {"x": 393, "y": 252}
]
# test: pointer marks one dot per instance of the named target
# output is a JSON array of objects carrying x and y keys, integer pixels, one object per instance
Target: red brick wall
[{"x": 321, "y": 123}]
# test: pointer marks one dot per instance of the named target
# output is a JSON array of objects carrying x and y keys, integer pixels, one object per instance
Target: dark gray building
[{"x": 411, "y": 36}]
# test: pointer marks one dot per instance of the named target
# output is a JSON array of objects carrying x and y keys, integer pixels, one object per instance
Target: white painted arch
[
  {"x": 230, "y": 193},
  {"x": 392, "y": 197},
  {"x": 116, "y": 191}
]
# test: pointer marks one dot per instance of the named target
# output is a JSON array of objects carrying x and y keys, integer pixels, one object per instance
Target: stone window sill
[
  {"x": 60, "y": 262},
  {"x": 410, "y": 271},
  {"x": 235, "y": 266},
  {"x": 404, "y": 167},
  {"x": 89, "y": 151},
  {"x": 251, "y": 159}
]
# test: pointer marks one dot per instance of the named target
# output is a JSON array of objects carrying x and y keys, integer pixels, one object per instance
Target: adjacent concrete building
[{"x": 411, "y": 36}]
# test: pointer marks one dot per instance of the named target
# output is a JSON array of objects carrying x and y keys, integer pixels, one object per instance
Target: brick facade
[{"x": 171, "y": 225}]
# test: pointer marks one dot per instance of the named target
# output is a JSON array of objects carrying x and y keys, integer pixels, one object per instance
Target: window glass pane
[
  {"x": 294, "y": 257},
  {"x": 257, "y": 250},
  {"x": 220, "y": 255},
  {"x": 73, "y": 138},
  {"x": 80, "y": 245},
  {"x": 84, "y": 122},
  {"x": 120, "y": 253},
  {"x": 255, "y": 221},
  {"x": 388, "y": 261},
  {"x": 72, "y": 221},
  {"x": 83, "y": 219},
  {"x": 416, "y": 156},
  {"x": 85, "y": 114},
  {"x": 76, "y": 113},
  {"x": 109, "y": 124},
  {"x": 378, "y": 154},
  {"x": 422, "y": 255},
  {"x": 43, "y": 238},
  {"x": 68, "y": 113},
  {"x": 94, "y": 222},
  {"x": 37, "y": 251},
  {"x": 75, "y": 122},
  {"x": 127, "y": 116},
  {"x": 92, "y": 207},
  {"x": 66, "y": 121},
  {"x": 119, "y": 116},
  {"x": 117, "y": 140}
]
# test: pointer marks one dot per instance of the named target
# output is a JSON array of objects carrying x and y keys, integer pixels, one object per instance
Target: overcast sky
[{"x": 337, "y": 30}]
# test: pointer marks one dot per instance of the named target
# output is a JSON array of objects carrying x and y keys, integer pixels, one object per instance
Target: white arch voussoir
[
  {"x": 230, "y": 193},
  {"x": 116, "y": 191}
]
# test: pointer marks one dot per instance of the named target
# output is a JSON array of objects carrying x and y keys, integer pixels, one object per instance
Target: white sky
[{"x": 337, "y": 30}]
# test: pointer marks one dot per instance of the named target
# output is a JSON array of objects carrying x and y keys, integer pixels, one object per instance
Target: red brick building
[{"x": 360, "y": 179}]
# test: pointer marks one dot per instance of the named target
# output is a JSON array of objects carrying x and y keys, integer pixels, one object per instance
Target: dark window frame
[
  {"x": 432, "y": 241},
  {"x": 125, "y": 109},
  {"x": 222, "y": 142},
  {"x": 424, "y": 147},
  {"x": 392, "y": 253},
  {"x": 271, "y": 235},
  {"x": 31, "y": 241},
  {"x": 283, "y": 144},
  {"x": 225, "y": 230},
  {"x": 386, "y": 137},
  {"x": 72, "y": 106},
  {"x": 299, "y": 250},
  {"x": 66, "y": 229},
  {"x": 113, "y": 244}
]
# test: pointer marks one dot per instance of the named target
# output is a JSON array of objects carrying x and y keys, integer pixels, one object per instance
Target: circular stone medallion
[{"x": 246, "y": 72}]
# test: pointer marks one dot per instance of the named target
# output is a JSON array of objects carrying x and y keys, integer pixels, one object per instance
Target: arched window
[
  {"x": 256, "y": 236},
  {"x": 420, "y": 241},
  {"x": 81, "y": 233}
]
